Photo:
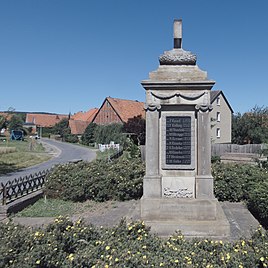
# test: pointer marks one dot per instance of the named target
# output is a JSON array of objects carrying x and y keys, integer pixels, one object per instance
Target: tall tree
[
  {"x": 15, "y": 123},
  {"x": 62, "y": 128},
  {"x": 251, "y": 127},
  {"x": 108, "y": 133},
  {"x": 136, "y": 127},
  {"x": 88, "y": 136}
]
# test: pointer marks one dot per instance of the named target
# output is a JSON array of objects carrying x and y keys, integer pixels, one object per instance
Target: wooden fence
[
  {"x": 22, "y": 186},
  {"x": 222, "y": 149}
]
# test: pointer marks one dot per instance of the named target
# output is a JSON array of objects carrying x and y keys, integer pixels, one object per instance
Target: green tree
[
  {"x": 136, "y": 127},
  {"x": 62, "y": 128},
  {"x": 15, "y": 123},
  {"x": 251, "y": 127},
  {"x": 88, "y": 136},
  {"x": 3, "y": 121},
  {"x": 106, "y": 134}
]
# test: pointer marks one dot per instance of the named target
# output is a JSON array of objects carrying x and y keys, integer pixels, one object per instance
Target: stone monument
[{"x": 178, "y": 185}]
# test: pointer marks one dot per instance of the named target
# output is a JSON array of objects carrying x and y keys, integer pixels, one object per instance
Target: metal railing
[{"x": 17, "y": 188}]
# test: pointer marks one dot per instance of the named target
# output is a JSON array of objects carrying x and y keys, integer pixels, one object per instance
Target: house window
[
  {"x": 218, "y": 116},
  {"x": 218, "y": 101},
  {"x": 218, "y": 132}
]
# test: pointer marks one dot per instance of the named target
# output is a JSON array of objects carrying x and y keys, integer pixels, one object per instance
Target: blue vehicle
[{"x": 16, "y": 135}]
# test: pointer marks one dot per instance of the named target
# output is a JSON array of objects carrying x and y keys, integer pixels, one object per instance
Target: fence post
[{"x": 4, "y": 201}]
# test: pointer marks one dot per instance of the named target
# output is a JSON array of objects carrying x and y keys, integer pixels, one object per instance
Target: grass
[
  {"x": 56, "y": 207},
  {"x": 105, "y": 154},
  {"x": 20, "y": 154}
]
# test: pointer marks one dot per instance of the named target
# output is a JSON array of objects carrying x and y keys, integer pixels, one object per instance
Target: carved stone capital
[
  {"x": 203, "y": 108},
  {"x": 177, "y": 57},
  {"x": 152, "y": 107}
]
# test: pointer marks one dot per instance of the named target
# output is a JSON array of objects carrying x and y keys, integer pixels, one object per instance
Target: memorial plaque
[{"x": 178, "y": 140}]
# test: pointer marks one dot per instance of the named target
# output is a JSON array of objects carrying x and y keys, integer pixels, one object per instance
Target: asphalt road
[{"x": 62, "y": 153}]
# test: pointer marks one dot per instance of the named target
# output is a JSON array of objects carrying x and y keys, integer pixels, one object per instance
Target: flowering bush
[
  {"x": 66, "y": 244},
  {"x": 233, "y": 182},
  {"x": 120, "y": 179}
]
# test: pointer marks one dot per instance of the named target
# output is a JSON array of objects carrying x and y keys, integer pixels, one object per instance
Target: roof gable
[
  {"x": 127, "y": 109},
  {"x": 214, "y": 95},
  {"x": 85, "y": 116}
]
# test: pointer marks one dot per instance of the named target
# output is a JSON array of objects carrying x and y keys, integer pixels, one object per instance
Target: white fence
[{"x": 103, "y": 147}]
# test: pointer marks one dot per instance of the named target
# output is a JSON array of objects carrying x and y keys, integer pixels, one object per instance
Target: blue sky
[{"x": 68, "y": 55}]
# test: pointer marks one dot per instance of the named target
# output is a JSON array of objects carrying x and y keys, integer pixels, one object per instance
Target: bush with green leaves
[
  {"x": 248, "y": 183},
  {"x": 120, "y": 179},
  {"x": 88, "y": 136},
  {"x": 104, "y": 134},
  {"x": 69, "y": 244}
]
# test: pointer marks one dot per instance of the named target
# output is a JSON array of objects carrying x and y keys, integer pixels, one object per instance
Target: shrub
[
  {"x": 71, "y": 138},
  {"x": 233, "y": 182},
  {"x": 120, "y": 179},
  {"x": 66, "y": 244},
  {"x": 88, "y": 136},
  {"x": 257, "y": 201}
]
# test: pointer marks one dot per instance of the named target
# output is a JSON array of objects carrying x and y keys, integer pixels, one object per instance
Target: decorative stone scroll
[
  {"x": 190, "y": 97},
  {"x": 204, "y": 108},
  {"x": 177, "y": 57},
  {"x": 152, "y": 107}
]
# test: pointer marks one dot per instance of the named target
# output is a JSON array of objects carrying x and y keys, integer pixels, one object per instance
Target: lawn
[
  {"x": 15, "y": 155},
  {"x": 56, "y": 207}
]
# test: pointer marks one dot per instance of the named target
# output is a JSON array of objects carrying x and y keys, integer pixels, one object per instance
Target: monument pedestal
[{"x": 193, "y": 217}]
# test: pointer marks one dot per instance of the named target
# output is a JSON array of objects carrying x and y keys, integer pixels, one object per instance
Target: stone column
[
  {"x": 204, "y": 180},
  {"x": 152, "y": 179}
]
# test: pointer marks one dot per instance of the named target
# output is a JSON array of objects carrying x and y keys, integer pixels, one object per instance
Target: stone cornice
[{"x": 167, "y": 85}]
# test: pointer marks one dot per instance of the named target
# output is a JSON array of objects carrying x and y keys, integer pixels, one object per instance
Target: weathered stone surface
[
  {"x": 177, "y": 56},
  {"x": 178, "y": 73}
]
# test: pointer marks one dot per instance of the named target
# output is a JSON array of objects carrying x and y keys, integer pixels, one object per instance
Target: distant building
[
  {"x": 221, "y": 118},
  {"x": 115, "y": 110},
  {"x": 44, "y": 120},
  {"x": 79, "y": 121}
]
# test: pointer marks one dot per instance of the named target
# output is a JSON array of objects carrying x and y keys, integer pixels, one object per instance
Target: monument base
[{"x": 193, "y": 217}]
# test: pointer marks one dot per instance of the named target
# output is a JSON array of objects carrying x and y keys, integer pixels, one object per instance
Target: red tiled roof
[
  {"x": 127, "y": 109},
  {"x": 85, "y": 116},
  {"x": 77, "y": 126},
  {"x": 45, "y": 120},
  {"x": 6, "y": 115}
]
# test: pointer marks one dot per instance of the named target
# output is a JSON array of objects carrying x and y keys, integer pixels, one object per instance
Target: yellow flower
[
  {"x": 240, "y": 266},
  {"x": 107, "y": 247},
  {"x": 262, "y": 259},
  {"x": 144, "y": 257},
  {"x": 36, "y": 234},
  {"x": 116, "y": 260},
  {"x": 161, "y": 264},
  {"x": 176, "y": 261},
  {"x": 106, "y": 266},
  {"x": 38, "y": 262},
  {"x": 130, "y": 228},
  {"x": 71, "y": 257}
]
